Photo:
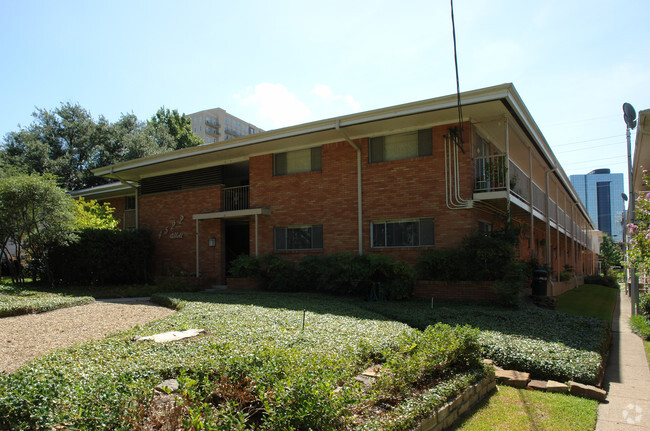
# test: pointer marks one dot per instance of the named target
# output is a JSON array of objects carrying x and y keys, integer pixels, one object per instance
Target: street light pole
[{"x": 629, "y": 115}]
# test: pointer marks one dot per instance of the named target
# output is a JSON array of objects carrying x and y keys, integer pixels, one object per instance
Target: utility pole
[{"x": 629, "y": 115}]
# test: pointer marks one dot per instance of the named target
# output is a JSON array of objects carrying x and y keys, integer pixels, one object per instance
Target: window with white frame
[
  {"x": 307, "y": 237},
  {"x": 402, "y": 233},
  {"x": 293, "y": 162},
  {"x": 417, "y": 143}
]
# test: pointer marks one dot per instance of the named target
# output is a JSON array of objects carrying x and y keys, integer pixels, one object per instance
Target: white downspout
[
  {"x": 359, "y": 185},
  {"x": 197, "y": 248}
]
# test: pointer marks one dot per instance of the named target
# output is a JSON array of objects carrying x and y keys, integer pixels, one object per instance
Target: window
[
  {"x": 298, "y": 237},
  {"x": 293, "y": 162},
  {"x": 402, "y": 233},
  {"x": 484, "y": 227},
  {"x": 401, "y": 146},
  {"x": 129, "y": 203}
]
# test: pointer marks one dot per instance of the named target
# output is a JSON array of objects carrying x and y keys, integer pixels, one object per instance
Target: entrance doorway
[{"x": 237, "y": 239}]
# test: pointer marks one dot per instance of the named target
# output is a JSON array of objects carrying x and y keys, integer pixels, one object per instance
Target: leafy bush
[
  {"x": 603, "y": 280},
  {"x": 339, "y": 274},
  {"x": 480, "y": 257},
  {"x": 509, "y": 288},
  {"x": 566, "y": 275},
  {"x": 641, "y": 326},
  {"x": 245, "y": 266},
  {"x": 644, "y": 304},
  {"x": 424, "y": 357},
  {"x": 278, "y": 273},
  {"x": 103, "y": 257}
]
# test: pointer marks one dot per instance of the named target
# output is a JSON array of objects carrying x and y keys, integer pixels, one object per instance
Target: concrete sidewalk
[{"x": 627, "y": 377}]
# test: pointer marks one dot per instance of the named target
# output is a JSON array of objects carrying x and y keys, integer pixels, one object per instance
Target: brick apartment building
[{"x": 391, "y": 181}]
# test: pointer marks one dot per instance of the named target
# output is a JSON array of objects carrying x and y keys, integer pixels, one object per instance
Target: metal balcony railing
[
  {"x": 235, "y": 198},
  {"x": 491, "y": 173}
]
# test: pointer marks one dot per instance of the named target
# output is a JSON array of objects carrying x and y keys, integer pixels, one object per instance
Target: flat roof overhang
[
  {"x": 232, "y": 214},
  {"x": 491, "y": 102},
  {"x": 105, "y": 191},
  {"x": 485, "y": 103}
]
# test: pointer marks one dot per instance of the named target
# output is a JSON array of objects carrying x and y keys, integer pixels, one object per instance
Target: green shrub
[
  {"x": 644, "y": 304},
  {"x": 641, "y": 326},
  {"x": 278, "y": 273},
  {"x": 245, "y": 266},
  {"x": 444, "y": 265},
  {"x": 566, "y": 275},
  {"x": 480, "y": 257},
  {"x": 509, "y": 288},
  {"x": 103, "y": 256},
  {"x": 424, "y": 357}
]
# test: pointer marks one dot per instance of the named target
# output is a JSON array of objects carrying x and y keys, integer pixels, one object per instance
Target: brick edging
[{"x": 446, "y": 415}]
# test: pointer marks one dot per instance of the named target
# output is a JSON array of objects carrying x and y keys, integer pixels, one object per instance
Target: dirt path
[{"x": 23, "y": 338}]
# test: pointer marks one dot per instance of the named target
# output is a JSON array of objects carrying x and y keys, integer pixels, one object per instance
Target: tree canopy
[
  {"x": 68, "y": 143},
  {"x": 35, "y": 215}
]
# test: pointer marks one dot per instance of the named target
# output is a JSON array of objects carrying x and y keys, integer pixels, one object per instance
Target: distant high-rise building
[
  {"x": 601, "y": 191},
  {"x": 214, "y": 125}
]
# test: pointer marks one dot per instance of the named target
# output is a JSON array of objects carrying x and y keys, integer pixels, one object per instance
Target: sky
[{"x": 280, "y": 63}]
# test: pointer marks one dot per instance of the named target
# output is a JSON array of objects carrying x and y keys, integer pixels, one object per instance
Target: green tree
[
  {"x": 68, "y": 143},
  {"x": 35, "y": 215},
  {"x": 611, "y": 254},
  {"x": 93, "y": 215},
  {"x": 178, "y": 127}
]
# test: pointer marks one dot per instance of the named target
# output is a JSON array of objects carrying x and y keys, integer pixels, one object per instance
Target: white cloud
[
  {"x": 325, "y": 93},
  {"x": 273, "y": 106},
  {"x": 276, "y": 105}
]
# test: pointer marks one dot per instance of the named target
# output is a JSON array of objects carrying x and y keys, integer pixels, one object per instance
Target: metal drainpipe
[
  {"x": 359, "y": 183},
  {"x": 548, "y": 223}
]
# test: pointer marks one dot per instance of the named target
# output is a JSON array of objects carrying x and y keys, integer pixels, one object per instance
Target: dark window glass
[
  {"x": 299, "y": 237},
  {"x": 404, "y": 233}
]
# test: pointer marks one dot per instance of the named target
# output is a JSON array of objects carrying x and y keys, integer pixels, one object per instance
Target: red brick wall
[
  {"x": 327, "y": 197},
  {"x": 169, "y": 216},
  {"x": 400, "y": 189}
]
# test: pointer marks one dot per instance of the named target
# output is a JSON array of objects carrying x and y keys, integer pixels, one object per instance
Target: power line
[
  {"x": 583, "y": 149},
  {"x": 589, "y": 140}
]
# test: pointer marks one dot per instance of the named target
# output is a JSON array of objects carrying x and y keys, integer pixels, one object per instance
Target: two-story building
[{"x": 395, "y": 181}]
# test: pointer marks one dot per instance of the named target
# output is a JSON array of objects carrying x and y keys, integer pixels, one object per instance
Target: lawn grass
[
  {"x": 522, "y": 410},
  {"x": 16, "y": 300},
  {"x": 589, "y": 300}
]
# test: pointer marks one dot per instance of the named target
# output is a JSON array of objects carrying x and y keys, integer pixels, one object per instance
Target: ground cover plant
[
  {"x": 20, "y": 299},
  {"x": 548, "y": 344},
  {"x": 523, "y": 410},
  {"x": 267, "y": 361}
]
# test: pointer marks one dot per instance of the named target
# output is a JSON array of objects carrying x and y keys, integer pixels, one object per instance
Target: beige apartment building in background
[{"x": 215, "y": 125}]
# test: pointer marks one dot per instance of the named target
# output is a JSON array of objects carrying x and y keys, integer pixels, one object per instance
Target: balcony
[
  {"x": 493, "y": 175},
  {"x": 235, "y": 198}
]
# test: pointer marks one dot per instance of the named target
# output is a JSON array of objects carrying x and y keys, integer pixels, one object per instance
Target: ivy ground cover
[
  {"x": 548, "y": 344},
  {"x": 267, "y": 361},
  {"x": 15, "y": 300}
]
